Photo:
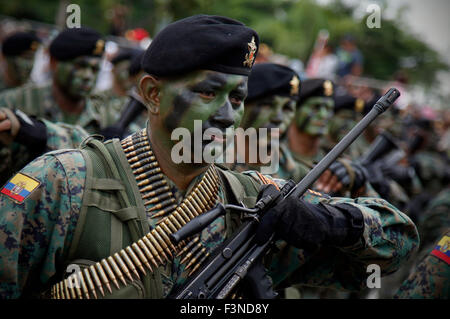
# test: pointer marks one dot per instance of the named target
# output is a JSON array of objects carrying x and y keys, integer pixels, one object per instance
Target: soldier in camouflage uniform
[
  {"x": 75, "y": 57},
  {"x": 23, "y": 138},
  {"x": 123, "y": 199},
  {"x": 273, "y": 91},
  {"x": 18, "y": 51}
]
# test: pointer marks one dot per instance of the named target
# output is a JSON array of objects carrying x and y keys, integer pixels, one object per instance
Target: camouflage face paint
[
  {"x": 272, "y": 112},
  {"x": 122, "y": 76},
  {"x": 78, "y": 77},
  {"x": 340, "y": 124},
  {"x": 312, "y": 116},
  {"x": 215, "y": 98},
  {"x": 20, "y": 66}
]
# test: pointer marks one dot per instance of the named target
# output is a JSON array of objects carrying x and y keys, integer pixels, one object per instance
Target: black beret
[
  {"x": 135, "y": 65},
  {"x": 202, "y": 42},
  {"x": 272, "y": 79},
  {"x": 125, "y": 54},
  {"x": 316, "y": 87},
  {"x": 348, "y": 102},
  {"x": 75, "y": 42},
  {"x": 20, "y": 42}
]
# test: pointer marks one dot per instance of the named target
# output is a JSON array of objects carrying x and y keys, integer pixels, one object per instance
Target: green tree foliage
[{"x": 290, "y": 27}]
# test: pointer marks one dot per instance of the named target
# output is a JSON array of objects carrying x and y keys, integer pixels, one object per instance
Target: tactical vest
[{"x": 113, "y": 216}]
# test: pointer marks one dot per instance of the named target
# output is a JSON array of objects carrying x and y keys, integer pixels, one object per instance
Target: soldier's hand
[
  {"x": 306, "y": 225},
  {"x": 9, "y": 126},
  {"x": 341, "y": 177}
]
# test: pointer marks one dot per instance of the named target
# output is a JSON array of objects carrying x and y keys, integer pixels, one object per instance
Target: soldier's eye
[
  {"x": 236, "y": 100},
  {"x": 207, "y": 95}
]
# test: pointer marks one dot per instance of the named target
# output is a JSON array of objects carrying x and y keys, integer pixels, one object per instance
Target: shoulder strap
[{"x": 105, "y": 172}]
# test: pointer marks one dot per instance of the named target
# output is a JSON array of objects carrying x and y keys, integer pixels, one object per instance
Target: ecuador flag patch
[
  {"x": 20, "y": 187},
  {"x": 442, "y": 249}
]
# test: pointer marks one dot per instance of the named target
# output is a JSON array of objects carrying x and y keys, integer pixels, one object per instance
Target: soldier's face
[
  {"x": 271, "y": 112},
  {"x": 78, "y": 77},
  {"x": 20, "y": 67},
  {"x": 214, "y": 98},
  {"x": 122, "y": 76},
  {"x": 340, "y": 124},
  {"x": 313, "y": 115}
]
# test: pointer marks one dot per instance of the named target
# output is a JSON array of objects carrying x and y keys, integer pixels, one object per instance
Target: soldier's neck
[
  {"x": 180, "y": 174},
  {"x": 301, "y": 143},
  {"x": 64, "y": 101}
]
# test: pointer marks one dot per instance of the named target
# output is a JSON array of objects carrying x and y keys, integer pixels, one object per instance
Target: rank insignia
[
  {"x": 250, "y": 56},
  {"x": 20, "y": 187},
  {"x": 295, "y": 83},
  {"x": 328, "y": 88},
  {"x": 442, "y": 249},
  {"x": 99, "y": 46}
]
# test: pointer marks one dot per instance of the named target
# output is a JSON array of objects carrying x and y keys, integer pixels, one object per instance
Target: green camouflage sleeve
[
  {"x": 389, "y": 239},
  {"x": 61, "y": 135},
  {"x": 430, "y": 279},
  {"x": 35, "y": 234}
]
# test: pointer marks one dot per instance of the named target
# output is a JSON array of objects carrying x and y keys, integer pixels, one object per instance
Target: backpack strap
[{"x": 107, "y": 174}]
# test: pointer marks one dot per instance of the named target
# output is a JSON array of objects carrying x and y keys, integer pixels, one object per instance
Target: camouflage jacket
[
  {"x": 100, "y": 109},
  {"x": 35, "y": 235},
  {"x": 431, "y": 278},
  {"x": 59, "y": 135}
]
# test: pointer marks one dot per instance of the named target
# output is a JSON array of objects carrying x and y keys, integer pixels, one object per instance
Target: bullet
[
  {"x": 152, "y": 249},
  {"x": 116, "y": 269},
  {"x": 96, "y": 280},
  {"x": 147, "y": 252},
  {"x": 127, "y": 260},
  {"x": 140, "y": 167},
  {"x": 141, "y": 256},
  {"x": 122, "y": 266},
  {"x": 188, "y": 246},
  {"x": 109, "y": 272},
  {"x": 163, "y": 190},
  {"x": 187, "y": 210},
  {"x": 165, "y": 237},
  {"x": 150, "y": 180},
  {"x": 193, "y": 260},
  {"x": 135, "y": 260},
  {"x": 89, "y": 282},
  {"x": 66, "y": 290},
  {"x": 158, "y": 198},
  {"x": 198, "y": 264},
  {"x": 138, "y": 151},
  {"x": 157, "y": 246},
  {"x": 148, "y": 173},
  {"x": 153, "y": 186},
  {"x": 83, "y": 285},
  {"x": 191, "y": 252},
  {"x": 162, "y": 205}
]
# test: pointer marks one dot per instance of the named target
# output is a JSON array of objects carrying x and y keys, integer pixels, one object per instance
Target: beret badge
[
  {"x": 250, "y": 56},
  {"x": 99, "y": 46},
  {"x": 295, "y": 82},
  {"x": 328, "y": 88},
  {"x": 359, "y": 105},
  {"x": 34, "y": 45}
]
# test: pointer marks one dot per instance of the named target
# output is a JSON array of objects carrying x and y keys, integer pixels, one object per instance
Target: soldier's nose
[{"x": 224, "y": 116}]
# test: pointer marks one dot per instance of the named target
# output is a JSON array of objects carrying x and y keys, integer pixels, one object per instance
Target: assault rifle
[{"x": 239, "y": 257}]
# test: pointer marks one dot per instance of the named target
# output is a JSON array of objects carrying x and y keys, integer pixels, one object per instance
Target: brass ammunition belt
[{"x": 155, "y": 248}]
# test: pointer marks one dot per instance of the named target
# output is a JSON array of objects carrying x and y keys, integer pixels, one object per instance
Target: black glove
[
  {"x": 402, "y": 174},
  {"x": 353, "y": 180},
  {"x": 306, "y": 225},
  {"x": 32, "y": 133}
]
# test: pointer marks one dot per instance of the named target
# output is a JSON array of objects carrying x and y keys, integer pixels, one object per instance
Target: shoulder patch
[
  {"x": 19, "y": 187},
  {"x": 442, "y": 249}
]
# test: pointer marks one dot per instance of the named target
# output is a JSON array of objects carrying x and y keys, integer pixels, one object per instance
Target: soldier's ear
[{"x": 149, "y": 88}]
